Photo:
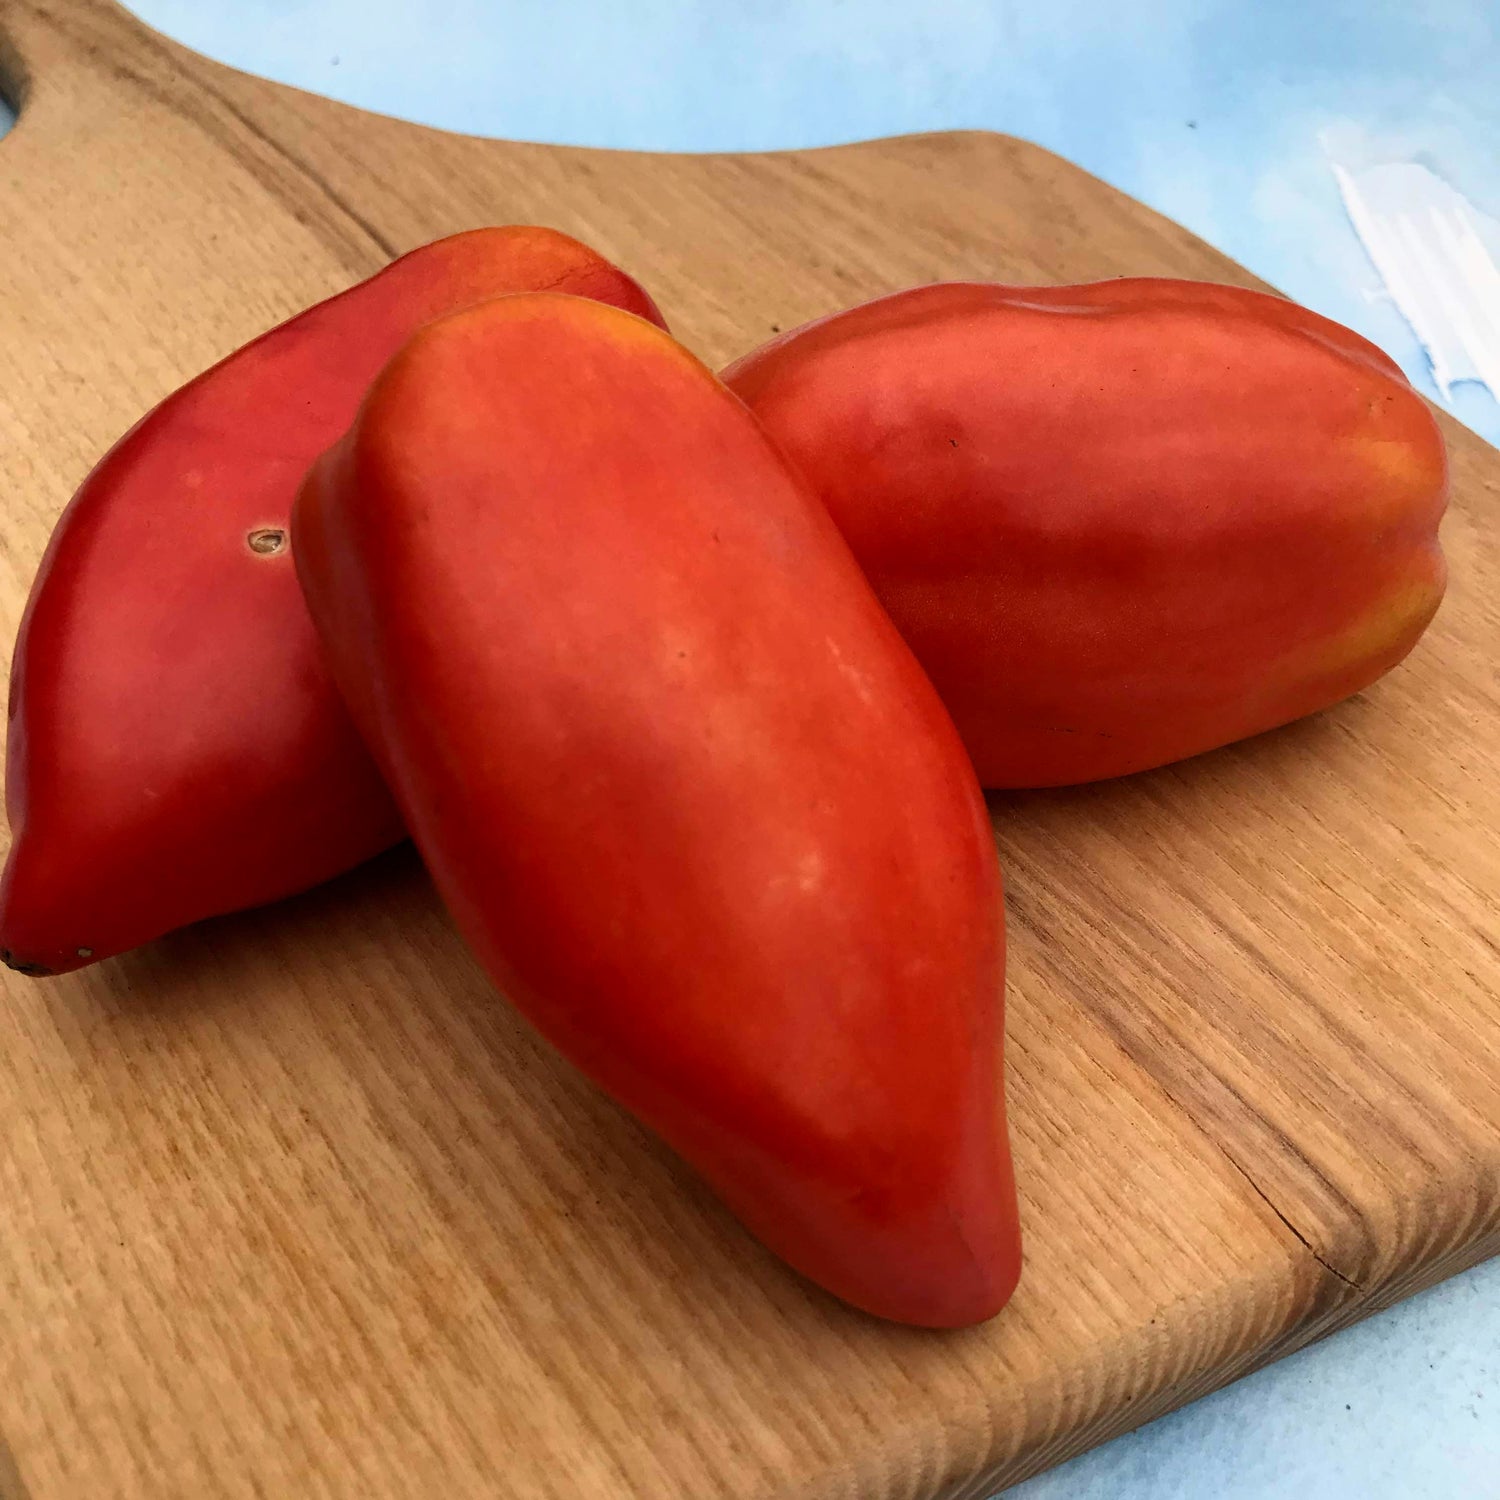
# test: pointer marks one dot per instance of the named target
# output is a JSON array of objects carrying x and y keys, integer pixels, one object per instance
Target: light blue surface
[
  {"x": 1220, "y": 114},
  {"x": 1405, "y": 1406}
]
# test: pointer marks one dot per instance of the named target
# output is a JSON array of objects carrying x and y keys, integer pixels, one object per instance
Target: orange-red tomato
[
  {"x": 176, "y": 748},
  {"x": 682, "y": 786},
  {"x": 1120, "y": 523}
]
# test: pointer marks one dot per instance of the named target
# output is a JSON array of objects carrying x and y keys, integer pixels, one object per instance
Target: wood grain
[{"x": 295, "y": 1207}]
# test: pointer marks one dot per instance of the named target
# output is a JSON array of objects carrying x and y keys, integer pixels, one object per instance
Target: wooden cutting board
[{"x": 292, "y": 1206}]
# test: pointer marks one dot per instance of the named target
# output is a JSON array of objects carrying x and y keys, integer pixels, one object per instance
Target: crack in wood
[
  {"x": 1297, "y": 1234},
  {"x": 1262, "y": 1194}
]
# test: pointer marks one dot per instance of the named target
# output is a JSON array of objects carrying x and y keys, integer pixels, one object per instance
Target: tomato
[
  {"x": 684, "y": 789},
  {"x": 1120, "y": 523},
  {"x": 176, "y": 747}
]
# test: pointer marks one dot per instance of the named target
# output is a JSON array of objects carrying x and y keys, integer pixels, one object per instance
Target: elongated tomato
[
  {"x": 682, "y": 786},
  {"x": 176, "y": 748},
  {"x": 1120, "y": 523}
]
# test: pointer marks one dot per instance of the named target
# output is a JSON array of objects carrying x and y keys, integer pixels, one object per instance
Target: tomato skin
[
  {"x": 683, "y": 788},
  {"x": 1118, "y": 523},
  {"x": 176, "y": 747}
]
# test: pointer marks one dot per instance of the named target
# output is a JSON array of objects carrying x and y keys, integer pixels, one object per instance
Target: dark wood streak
[
  {"x": 105, "y": 53},
  {"x": 307, "y": 173},
  {"x": 1188, "y": 1098},
  {"x": 12, "y": 1486}
]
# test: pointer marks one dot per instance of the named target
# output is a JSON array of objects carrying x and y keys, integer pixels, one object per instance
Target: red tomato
[
  {"x": 685, "y": 791},
  {"x": 1122, "y": 523},
  {"x": 176, "y": 748}
]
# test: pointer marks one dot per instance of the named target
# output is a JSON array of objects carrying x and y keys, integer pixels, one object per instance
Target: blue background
[{"x": 1221, "y": 113}]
